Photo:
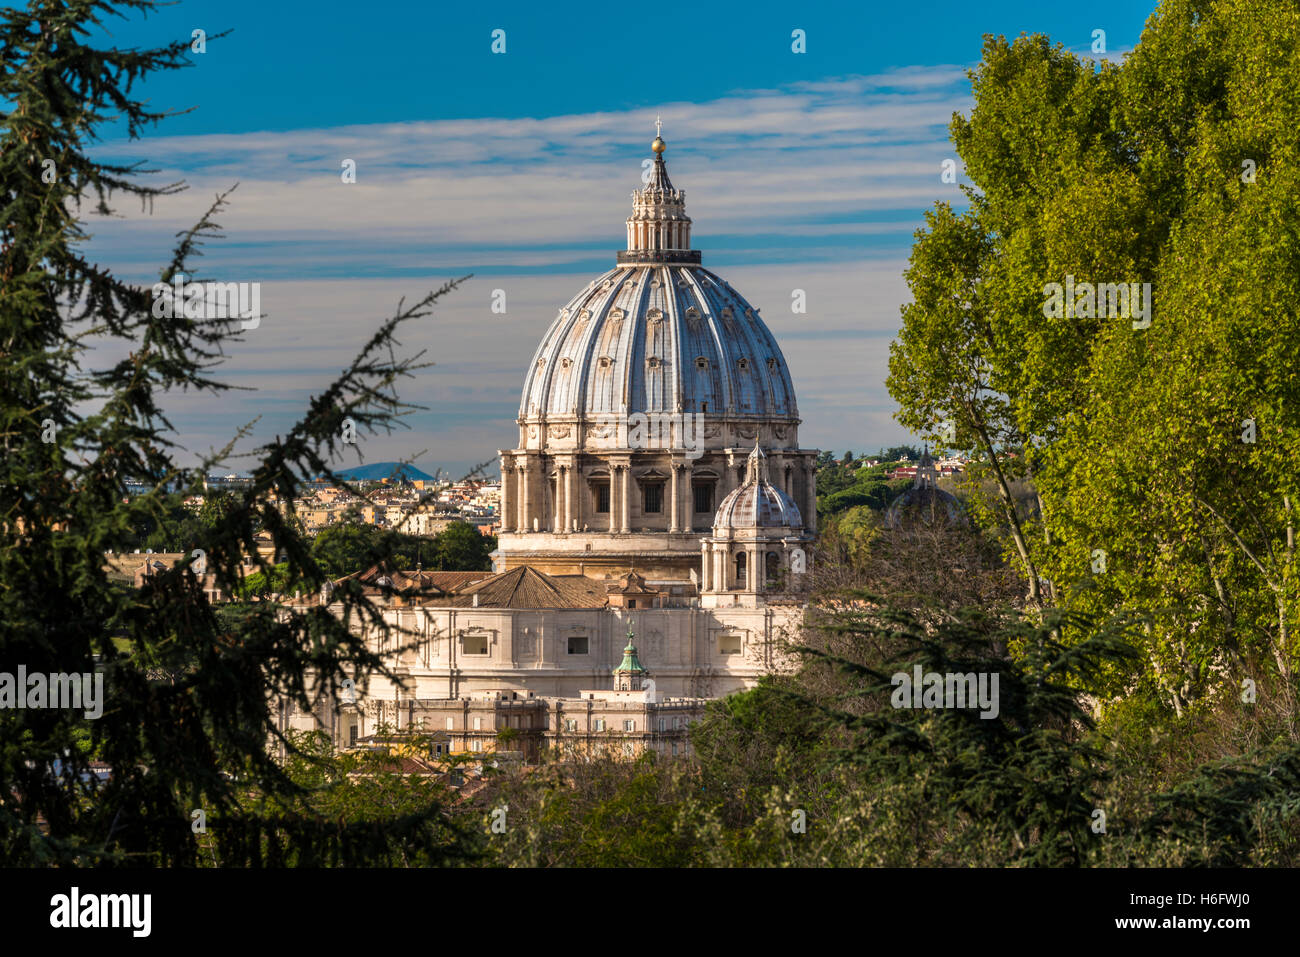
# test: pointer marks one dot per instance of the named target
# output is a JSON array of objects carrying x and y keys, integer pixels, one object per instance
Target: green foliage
[
  {"x": 188, "y": 712},
  {"x": 351, "y": 547},
  {"x": 1168, "y": 450}
]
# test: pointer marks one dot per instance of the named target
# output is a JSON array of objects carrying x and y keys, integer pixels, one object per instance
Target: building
[
  {"x": 656, "y": 522},
  {"x": 640, "y": 408}
]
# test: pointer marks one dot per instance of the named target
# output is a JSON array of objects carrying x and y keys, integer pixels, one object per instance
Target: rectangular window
[
  {"x": 478, "y": 724},
  {"x": 352, "y": 734},
  {"x": 677, "y": 724},
  {"x": 577, "y": 644},
  {"x": 729, "y": 645},
  {"x": 704, "y": 498},
  {"x": 451, "y": 723},
  {"x": 629, "y": 725},
  {"x": 602, "y": 499},
  {"x": 474, "y": 645},
  {"x": 627, "y": 748},
  {"x": 654, "y": 498},
  {"x": 571, "y": 724},
  {"x": 674, "y": 749},
  {"x": 663, "y": 724},
  {"x": 600, "y": 724},
  {"x": 631, "y": 603}
]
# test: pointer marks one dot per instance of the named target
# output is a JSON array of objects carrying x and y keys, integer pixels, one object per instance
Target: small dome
[
  {"x": 757, "y": 503},
  {"x": 923, "y": 499}
]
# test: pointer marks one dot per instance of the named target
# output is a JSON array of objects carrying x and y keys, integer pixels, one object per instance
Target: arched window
[{"x": 742, "y": 563}]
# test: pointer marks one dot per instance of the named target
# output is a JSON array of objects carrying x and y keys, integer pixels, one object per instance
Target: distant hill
[{"x": 381, "y": 470}]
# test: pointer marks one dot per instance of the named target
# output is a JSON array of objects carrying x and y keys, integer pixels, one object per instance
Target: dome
[
  {"x": 757, "y": 503},
  {"x": 638, "y": 409},
  {"x": 658, "y": 333},
  {"x": 658, "y": 338},
  {"x": 923, "y": 499}
]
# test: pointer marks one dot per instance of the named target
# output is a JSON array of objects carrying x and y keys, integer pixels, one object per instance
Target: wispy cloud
[{"x": 816, "y": 186}]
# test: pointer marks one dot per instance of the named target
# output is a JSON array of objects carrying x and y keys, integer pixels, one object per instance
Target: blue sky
[{"x": 804, "y": 171}]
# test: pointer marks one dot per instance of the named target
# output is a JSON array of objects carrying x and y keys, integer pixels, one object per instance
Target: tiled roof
[{"x": 526, "y": 587}]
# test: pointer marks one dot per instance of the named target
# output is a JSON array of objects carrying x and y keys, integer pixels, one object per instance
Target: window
[
  {"x": 677, "y": 724},
  {"x": 674, "y": 749},
  {"x": 352, "y": 734},
  {"x": 663, "y": 724},
  {"x": 773, "y": 567},
  {"x": 742, "y": 567},
  {"x": 602, "y": 498},
  {"x": 476, "y": 745},
  {"x": 478, "y": 724},
  {"x": 600, "y": 724},
  {"x": 729, "y": 644},
  {"x": 627, "y": 749},
  {"x": 631, "y": 603},
  {"x": 704, "y": 497},
  {"x": 629, "y": 725},
  {"x": 654, "y": 497},
  {"x": 577, "y": 644},
  {"x": 450, "y": 723},
  {"x": 571, "y": 724},
  {"x": 474, "y": 645}
]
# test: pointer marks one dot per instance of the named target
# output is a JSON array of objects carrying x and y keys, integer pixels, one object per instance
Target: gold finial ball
[{"x": 658, "y": 145}]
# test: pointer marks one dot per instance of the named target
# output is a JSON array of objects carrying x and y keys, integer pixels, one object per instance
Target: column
[
  {"x": 688, "y": 501},
  {"x": 704, "y": 567},
  {"x": 575, "y": 495},
  {"x": 675, "y": 471},
  {"x": 566, "y": 474},
  {"x": 613, "y": 498},
  {"x": 624, "y": 502},
  {"x": 521, "y": 485},
  {"x": 507, "y": 496}
]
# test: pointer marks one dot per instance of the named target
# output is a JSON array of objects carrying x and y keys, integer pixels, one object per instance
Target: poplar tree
[{"x": 187, "y": 716}]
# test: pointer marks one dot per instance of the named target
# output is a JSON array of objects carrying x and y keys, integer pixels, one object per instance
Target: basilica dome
[
  {"x": 638, "y": 414},
  {"x": 757, "y": 503},
  {"x": 658, "y": 333}
]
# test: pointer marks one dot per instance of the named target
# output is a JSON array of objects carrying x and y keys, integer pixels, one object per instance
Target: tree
[
  {"x": 1153, "y": 440},
  {"x": 460, "y": 547},
  {"x": 186, "y": 720}
]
